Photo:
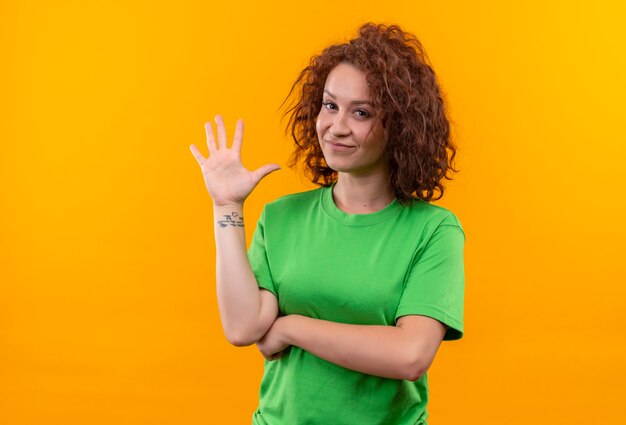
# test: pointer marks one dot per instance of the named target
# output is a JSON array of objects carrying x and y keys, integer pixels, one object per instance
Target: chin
[
  {"x": 338, "y": 166},
  {"x": 346, "y": 169},
  {"x": 353, "y": 169}
]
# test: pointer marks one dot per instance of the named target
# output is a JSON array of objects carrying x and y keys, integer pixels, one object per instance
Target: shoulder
[{"x": 432, "y": 217}]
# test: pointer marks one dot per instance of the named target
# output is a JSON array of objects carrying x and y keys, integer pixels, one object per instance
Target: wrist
[
  {"x": 288, "y": 328},
  {"x": 228, "y": 207},
  {"x": 228, "y": 216}
]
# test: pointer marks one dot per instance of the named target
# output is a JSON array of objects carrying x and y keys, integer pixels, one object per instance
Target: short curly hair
[{"x": 404, "y": 88}]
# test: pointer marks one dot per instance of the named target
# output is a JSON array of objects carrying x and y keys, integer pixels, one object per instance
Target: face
[{"x": 349, "y": 129}]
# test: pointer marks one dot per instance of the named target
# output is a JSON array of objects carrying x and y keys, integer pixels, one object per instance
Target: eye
[
  {"x": 328, "y": 105},
  {"x": 362, "y": 113}
]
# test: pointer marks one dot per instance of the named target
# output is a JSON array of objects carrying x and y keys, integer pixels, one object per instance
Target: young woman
[{"x": 348, "y": 289}]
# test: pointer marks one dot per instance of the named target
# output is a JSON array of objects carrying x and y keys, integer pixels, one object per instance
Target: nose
[{"x": 339, "y": 127}]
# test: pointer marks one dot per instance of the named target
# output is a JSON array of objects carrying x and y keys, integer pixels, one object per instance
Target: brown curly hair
[{"x": 404, "y": 88}]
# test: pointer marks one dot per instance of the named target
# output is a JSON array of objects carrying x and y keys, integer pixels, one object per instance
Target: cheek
[{"x": 370, "y": 135}]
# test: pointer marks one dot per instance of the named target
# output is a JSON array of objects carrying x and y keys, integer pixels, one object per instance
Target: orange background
[{"x": 108, "y": 311}]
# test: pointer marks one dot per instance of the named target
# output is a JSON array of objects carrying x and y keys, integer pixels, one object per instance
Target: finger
[
  {"x": 238, "y": 135},
  {"x": 263, "y": 171},
  {"x": 196, "y": 153},
  {"x": 221, "y": 132},
  {"x": 210, "y": 139}
]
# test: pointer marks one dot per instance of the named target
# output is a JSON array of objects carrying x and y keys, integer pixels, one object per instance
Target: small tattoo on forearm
[{"x": 232, "y": 220}]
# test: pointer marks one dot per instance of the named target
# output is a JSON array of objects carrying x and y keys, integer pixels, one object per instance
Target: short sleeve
[
  {"x": 436, "y": 282},
  {"x": 257, "y": 254}
]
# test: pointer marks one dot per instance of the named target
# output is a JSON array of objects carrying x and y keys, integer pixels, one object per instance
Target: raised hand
[{"x": 226, "y": 179}]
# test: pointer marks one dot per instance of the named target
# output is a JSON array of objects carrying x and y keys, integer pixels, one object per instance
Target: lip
[{"x": 339, "y": 147}]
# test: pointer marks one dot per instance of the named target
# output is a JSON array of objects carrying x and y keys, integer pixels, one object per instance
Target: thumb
[{"x": 263, "y": 171}]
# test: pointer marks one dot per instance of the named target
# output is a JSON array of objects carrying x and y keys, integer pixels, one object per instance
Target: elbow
[
  {"x": 414, "y": 374},
  {"x": 240, "y": 339},
  {"x": 415, "y": 370},
  {"x": 238, "y": 342}
]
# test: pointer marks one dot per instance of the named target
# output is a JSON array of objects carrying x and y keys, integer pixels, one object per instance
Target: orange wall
[{"x": 108, "y": 311}]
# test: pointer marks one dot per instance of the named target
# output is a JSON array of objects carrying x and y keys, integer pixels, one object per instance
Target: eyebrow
[{"x": 354, "y": 102}]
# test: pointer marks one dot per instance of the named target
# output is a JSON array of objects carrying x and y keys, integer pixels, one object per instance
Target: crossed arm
[{"x": 404, "y": 351}]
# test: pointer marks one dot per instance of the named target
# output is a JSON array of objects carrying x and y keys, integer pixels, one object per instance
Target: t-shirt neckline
[{"x": 331, "y": 209}]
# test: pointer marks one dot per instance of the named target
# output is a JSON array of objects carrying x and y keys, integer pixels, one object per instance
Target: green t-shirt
[{"x": 365, "y": 269}]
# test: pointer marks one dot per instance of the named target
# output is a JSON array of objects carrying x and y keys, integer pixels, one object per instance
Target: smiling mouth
[{"x": 336, "y": 144}]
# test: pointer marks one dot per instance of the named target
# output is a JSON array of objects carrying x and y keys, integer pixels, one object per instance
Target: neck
[{"x": 362, "y": 195}]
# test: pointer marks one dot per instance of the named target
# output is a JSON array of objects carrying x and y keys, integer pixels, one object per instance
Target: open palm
[{"x": 226, "y": 179}]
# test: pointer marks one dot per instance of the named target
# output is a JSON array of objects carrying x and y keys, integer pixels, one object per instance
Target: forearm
[
  {"x": 384, "y": 351},
  {"x": 238, "y": 296}
]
